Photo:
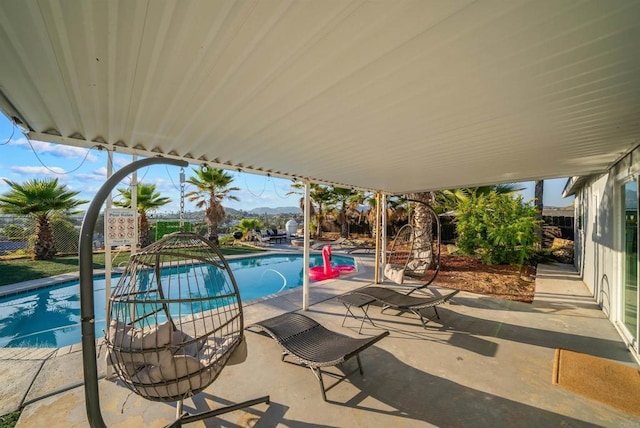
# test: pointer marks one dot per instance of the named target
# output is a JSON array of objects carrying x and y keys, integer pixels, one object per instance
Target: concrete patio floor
[{"x": 486, "y": 363}]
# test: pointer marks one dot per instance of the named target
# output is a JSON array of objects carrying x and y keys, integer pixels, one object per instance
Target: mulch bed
[
  {"x": 470, "y": 274},
  {"x": 500, "y": 281}
]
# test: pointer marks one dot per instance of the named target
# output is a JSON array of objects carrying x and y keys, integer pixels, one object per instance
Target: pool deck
[{"x": 487, "y": 362}]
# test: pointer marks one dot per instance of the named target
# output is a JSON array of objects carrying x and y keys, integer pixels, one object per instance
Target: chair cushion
[{"x": 394, "y": 274}]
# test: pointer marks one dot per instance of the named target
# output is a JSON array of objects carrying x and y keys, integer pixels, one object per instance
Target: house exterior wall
[
  {"x": 591, "y": 247},
  {"x": 598, "y": 237}
]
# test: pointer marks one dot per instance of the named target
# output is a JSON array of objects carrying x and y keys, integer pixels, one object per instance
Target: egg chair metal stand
[{"x": 174, "y": 319}]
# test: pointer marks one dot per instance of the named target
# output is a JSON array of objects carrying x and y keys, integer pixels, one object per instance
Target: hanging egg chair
[
  {"x": 415, "y": 251},
  {"x": 399, "y": 254},
  {"x": 174, "y": 319}
]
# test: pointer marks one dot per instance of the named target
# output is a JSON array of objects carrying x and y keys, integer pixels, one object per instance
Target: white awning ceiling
[{"x": 391, "y": 95}]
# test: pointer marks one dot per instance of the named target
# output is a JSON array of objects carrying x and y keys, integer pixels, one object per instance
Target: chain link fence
[
  {"x": 14, "y": 234},
  {"x": 18, "y": 233}
]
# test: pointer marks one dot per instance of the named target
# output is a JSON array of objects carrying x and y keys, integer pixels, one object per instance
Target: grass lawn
[{"x": 18, "y": 270}]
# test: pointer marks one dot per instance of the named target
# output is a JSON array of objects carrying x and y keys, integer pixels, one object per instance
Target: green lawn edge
[{"x": 13, "y": 271}]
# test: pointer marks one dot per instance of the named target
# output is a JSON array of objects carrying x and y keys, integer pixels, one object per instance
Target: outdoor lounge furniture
[
  {"x": 276, "y": 236},
  {"x": 360, "y": 301},
  {"x": 392, "y": 299},
  {"x": 415, "y": 251},
  {"x": 361, "y": 249},
  {"x": 261, "y": 238},
  {"x": 399, "y": 254},
  {"x": 167, "y": 338},
  {"x": 313, "y": 345},
  {"x": 336, "y": 243}
]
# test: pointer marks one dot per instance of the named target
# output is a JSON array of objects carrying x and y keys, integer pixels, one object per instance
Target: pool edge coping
[{"x": 34, "y": 284}]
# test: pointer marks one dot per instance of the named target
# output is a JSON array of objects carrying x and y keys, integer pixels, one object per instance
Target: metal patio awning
[{"x": 396, "y": 96}]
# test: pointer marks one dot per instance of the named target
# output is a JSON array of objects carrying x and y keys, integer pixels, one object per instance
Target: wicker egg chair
[
  {"x": 415, "y": 252},
  {"x": 173, "y": 322},
  {"x": 399, "y": 254},
  {"x": 175, "y": 319}
]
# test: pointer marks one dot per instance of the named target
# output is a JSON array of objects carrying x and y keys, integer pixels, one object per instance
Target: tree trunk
[
  {"x": 371, "y": 222},
  {"x": 44, "y": 247},
  {"x": 344, "y": 222},
  {"x": 423, "y": 227},
  {"x": 212, "y": 226},
  {"x": 144, "y": 239},
  {"x": 319, "y": 219}
]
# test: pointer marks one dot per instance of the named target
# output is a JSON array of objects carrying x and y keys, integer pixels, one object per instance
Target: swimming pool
[{"x": 50, "y": 316}]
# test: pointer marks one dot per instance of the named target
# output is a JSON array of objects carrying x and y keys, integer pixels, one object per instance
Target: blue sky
[{"x": 85, "y": 170}]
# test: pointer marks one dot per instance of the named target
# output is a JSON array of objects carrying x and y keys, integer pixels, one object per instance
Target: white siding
[{"x": 598, "y": 246}]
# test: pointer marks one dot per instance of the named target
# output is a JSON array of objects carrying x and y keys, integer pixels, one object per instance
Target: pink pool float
[
  {"x": 345, "y": 268},
  {"x": 319, "y": 273}
]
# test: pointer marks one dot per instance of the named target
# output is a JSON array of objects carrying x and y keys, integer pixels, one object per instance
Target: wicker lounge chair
[
  {"x": 362, "y": 248},
  {"x": 392, "y": 299},
  {"x": 335, "y": 243},
  {"x": 313, "y": 345}
]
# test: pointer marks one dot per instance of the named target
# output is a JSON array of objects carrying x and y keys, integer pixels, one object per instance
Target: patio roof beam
[{"x": 122, "y": 147}]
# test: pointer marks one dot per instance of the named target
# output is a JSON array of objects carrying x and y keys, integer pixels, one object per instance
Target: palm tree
[
  {"x": 355, "y": 214},
  {"x": 398, "y": 213},
  {"x": 40, "y": 199},
  {"x": 213, "y": 187},
  {"x": 422, "y": 220},
  {"x": 148, "y": 199},
  {"x": 344, "y": 198},
  {"x": 321, "y": 196},
  {"x": 447, "y": 200},
  {"x": 249, "y": 225}
]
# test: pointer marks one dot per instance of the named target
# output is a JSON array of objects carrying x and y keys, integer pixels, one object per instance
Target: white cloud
[
  {"x": 58, "y": 150},
  {"x": 97, "y": 175},
  {"x": 158, "y": 181},
  {"x": 91, "y": 190},
  {"x": 120, "y": 161},
  {"x": 38, "y": 170}
]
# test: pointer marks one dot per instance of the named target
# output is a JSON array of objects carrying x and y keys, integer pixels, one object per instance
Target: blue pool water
[{"x": 50, "y": 317}]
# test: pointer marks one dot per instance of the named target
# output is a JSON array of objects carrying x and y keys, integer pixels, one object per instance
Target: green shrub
[
  {"x": 65, "y": 236},
  {"x": 248, "y": 225},
  {"x": 500, "y": 228},
  {"x": 226, "y": 240},
  {"x": 201, "y": 229},
  {"x": 14, "y": 232},
  {"x": 9, "y": 420}
]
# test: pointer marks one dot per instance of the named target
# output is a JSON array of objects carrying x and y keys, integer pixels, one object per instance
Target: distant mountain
[
  {"x": 231, "y": 211},
  {"x": 272, "y": 211},
  {"x": 199, "y": 215},
  {"x": 558, "y": 211}
]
